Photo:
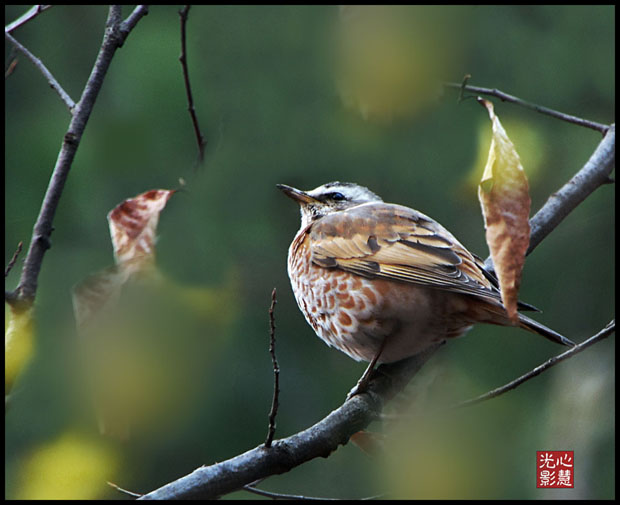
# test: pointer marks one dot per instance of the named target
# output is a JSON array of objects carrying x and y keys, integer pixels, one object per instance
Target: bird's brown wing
[{"x": 398, "y": 243}]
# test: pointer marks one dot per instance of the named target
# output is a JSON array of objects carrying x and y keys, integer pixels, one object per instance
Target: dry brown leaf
[
  {"x": 133, "y": 224},
  {"x": 504, "y": 197}
]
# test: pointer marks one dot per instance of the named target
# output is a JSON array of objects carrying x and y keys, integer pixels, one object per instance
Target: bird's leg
[{"x": 361, "y": 385}]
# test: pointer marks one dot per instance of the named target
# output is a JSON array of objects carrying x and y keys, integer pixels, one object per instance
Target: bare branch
[
  {"x": 604, "y": 333},
  {"x": 276, "y": 373},
  {"x": 183, "y": 13},
  {"x": 505, "y": 97},
  {"x": 42, "y": 231},
  {"x": 319, "y": 440},
  {"x": 594, "y": 174},
  {"x": 132, "y": 20},
  {"x": 13, "y": 259},
  {"x": 54, "y": 84},
  {"x": 29, "y": 15}
]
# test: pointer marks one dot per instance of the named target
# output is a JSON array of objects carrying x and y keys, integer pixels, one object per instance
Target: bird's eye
[{"x": 337, "y": 196}]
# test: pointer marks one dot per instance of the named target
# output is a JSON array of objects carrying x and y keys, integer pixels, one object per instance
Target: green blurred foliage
[{"x": 265, "y": 89}]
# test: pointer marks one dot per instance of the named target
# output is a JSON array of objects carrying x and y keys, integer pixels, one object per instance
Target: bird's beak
[{"x": 296, "y": 194}]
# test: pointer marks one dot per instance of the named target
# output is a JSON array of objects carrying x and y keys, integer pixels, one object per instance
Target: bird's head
[{"x": 328, "y": 198}]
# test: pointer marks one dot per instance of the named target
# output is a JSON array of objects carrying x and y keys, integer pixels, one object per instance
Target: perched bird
[{"x": 383, "y": 282}]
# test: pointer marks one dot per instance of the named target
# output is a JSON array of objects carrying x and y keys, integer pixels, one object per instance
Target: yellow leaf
[
  {"x": 390, "y": 58},
  {"x": 532, "y": 151},
  {"x": 18, "y": 344},
  {"x": 71, "y": 467},
  {"x": 504, "y": 197}
]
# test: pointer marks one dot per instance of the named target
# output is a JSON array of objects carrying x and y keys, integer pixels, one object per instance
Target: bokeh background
[{"x": 281, "y": 97}]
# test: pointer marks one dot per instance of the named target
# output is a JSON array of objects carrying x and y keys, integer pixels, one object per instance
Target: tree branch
[
  {"x": 604, "y": 333},
  {"x": 594, "y": 174},
  {"x": 40, "y": 242},
  {"x": 319, "y": 440},
  {"x": 132, "y": 20},
  {"x": 505, "y": 97},
  {"x": 54, "y": 84},
  {"x": 276, "y": 373},
  {"x": 9, "y": 267},
  {"x": 29, "y": 15},
  {"x": 183, "y": 13}
]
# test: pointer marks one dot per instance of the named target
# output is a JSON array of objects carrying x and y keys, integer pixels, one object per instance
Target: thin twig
[
  {"x": 276, "y": 373},
  {"x": 282, "y": 496},
  {"x": 13, "y": 61},
  {"x": 29, "y": 15},
  {"x": 11, "y": 67},
  {"x": 13, "y": 259},
  {"x": 54, "y": 84},
  {"x": 604, "y": 333},
  {"x": 463, "y": 85},
  {"x": 40, "y": 242},
  {"x": 118, "y": 488},
  {"x": 505, "y": 97},
  {"x": 183, "y": 14}
]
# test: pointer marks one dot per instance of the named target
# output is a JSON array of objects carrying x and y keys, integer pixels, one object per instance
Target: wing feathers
[{"x": 394, "y": 242}]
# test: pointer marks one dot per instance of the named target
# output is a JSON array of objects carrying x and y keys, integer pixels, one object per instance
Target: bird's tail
[{"x": 535, "y": 327}]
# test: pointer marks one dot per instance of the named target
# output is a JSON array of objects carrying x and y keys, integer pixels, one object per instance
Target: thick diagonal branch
[
  {"x": 319, "y": 440},
  {"x": 594, "y": 174}
]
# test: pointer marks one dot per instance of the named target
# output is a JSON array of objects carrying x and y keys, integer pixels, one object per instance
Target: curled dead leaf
[
  {"x": 133, "y": 224},
  {"x": 504, "y": 197}
]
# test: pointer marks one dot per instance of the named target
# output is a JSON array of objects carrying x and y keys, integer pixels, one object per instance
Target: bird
[{"x": 383, "y": 282}]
